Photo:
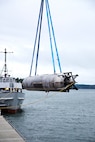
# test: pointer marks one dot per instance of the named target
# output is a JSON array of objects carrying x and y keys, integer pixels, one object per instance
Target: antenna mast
[{"x": 5, "y": 64}]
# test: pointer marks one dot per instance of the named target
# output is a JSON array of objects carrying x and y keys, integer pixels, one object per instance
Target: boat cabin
[{"x": 9, "y": 84}]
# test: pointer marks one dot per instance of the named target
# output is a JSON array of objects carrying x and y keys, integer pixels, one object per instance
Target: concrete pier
[{"x": 8, "y": 133}]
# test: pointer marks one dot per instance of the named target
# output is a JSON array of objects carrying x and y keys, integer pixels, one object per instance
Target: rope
[
  {"x": 46, "y": 97},
  {"x": 67, "y": 87},
  {"x": 41, "y": 99},
  {"x": 35, "y": 102}
]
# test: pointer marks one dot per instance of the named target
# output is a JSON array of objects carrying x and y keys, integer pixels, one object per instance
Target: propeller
[{"x": 68, "y": 77}]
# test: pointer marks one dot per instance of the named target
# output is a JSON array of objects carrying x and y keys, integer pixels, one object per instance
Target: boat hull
[{"x": 11, "y": 101}]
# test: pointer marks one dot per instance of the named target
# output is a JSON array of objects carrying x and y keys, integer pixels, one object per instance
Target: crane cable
[
  {"x": 49, "y": 19},
  {"x": 39, "y": 24},
  {"x": 49, "y": 28},
  {"x": 38, "y": 36}
]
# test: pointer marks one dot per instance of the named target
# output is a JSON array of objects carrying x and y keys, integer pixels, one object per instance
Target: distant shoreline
[{"x": 83, "y": 86}]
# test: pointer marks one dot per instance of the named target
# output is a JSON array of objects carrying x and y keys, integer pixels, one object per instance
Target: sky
[{"x": 74, "y": 26}]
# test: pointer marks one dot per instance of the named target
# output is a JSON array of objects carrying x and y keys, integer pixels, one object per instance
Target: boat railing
[{"x": 7, "y": 79}]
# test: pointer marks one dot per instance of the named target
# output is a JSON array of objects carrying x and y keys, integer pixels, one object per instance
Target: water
[{"x": 57, "y": 117}]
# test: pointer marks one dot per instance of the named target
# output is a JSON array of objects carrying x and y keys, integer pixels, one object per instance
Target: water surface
[{"x": 57, "y": 117}]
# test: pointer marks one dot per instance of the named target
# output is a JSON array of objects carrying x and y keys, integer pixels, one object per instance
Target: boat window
[
  {"x": 11, "y": 80},
  {"x": 7, "y": 79},
  {"x": 4, "y": 80}
]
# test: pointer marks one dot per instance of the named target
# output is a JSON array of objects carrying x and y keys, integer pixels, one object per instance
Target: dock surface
[{"x": 8, "y": 133}]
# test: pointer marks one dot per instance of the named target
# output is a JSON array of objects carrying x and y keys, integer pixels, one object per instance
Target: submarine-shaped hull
[{"x": 49, "y": 82}]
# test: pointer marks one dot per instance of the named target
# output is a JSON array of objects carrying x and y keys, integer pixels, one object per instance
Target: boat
[{"x": 11, "y": 95}]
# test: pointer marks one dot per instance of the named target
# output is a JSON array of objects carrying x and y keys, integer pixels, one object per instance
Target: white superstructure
[{"x": 11, "y": 95}]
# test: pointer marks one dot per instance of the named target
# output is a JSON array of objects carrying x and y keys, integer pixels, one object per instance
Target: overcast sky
[{"x": 74, "y": 25}]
